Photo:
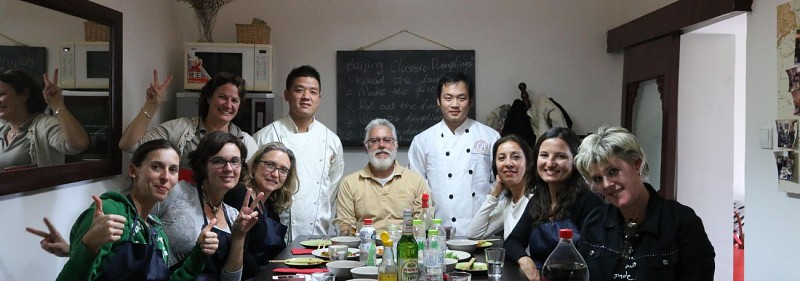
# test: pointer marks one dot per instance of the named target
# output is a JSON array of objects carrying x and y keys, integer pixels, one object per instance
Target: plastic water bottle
[
  {"x": 419, "y": 236},
  {"x": 437, "y": 224},
  {"x": 394, "y": 233},
  {"x": 565, "y": 263},
  {"x": 366, "y": 251},
  {"x": 434, "y": 257}
]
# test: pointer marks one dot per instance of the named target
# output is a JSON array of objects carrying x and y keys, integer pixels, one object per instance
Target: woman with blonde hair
[
  {"x": 638, "y": 234},
  {"x": 273, "y": 171}
]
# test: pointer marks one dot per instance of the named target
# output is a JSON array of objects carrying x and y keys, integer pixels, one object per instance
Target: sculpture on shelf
[{"x": 206, "y": 12}]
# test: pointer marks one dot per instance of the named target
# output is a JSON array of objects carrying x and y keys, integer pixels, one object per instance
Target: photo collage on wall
[{"x": 787, "y": 119}]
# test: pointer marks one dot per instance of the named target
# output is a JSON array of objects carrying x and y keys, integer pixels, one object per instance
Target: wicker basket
[
  {"x": 252, "y": 33},
  {"x": 95, "y": 32}
]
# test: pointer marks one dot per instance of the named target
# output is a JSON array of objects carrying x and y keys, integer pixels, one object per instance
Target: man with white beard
[{"x": 382, "y": 189}]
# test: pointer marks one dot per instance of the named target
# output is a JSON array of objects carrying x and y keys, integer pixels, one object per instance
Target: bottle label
[
  {"x": 409, "y": 271},
  {"x": 391, "y": 276}
]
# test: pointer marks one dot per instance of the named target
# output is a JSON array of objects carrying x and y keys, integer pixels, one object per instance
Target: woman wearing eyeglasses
[
  {"x": 216, "y": 166},
  {"x": 272, "y": 171}
]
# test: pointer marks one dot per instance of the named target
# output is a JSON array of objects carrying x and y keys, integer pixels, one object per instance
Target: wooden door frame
[{"x": 651, "y": 47}]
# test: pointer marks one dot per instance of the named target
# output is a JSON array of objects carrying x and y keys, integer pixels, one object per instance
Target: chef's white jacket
[
  {"x": 458, "y": 167},
  {"x": 320, "y": 165}
]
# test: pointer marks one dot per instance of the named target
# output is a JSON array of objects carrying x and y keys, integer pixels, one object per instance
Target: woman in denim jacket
[{"x": 639, "y": 235}]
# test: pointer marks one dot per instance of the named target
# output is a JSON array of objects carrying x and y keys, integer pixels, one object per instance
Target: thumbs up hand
[
  {"x": 104, "y": 229},
  {"x": 207, "y": 240}
]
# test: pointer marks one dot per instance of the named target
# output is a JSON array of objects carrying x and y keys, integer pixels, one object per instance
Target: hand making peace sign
[
  {"x": 248, "y": 216},
  {"x": 155, "y": 93}
]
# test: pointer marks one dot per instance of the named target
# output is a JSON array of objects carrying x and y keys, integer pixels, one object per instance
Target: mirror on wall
[
  {"x": 648, "y": 120},
  {"x": 84, "y": 41}
]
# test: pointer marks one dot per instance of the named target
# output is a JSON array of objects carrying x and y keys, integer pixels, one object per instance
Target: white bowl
[
  {"x": 350, "y": 241},
  {"x": 450, "y": 264},
  {"x": 465, "y": 245},
  {"x": 342, "y": 268},
  {"x": 365, "y": 272}
]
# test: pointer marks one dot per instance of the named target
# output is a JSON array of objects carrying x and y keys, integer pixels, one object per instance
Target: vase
[{"x": 206, "y": 18}]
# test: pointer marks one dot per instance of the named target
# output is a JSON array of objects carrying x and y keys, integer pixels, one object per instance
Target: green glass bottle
[{"x": 408, "y": 266}]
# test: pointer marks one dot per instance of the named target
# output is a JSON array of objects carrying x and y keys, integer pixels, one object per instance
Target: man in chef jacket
[
  {"x": 319, "y": 155},
  {"x": 455, "y": 155}
]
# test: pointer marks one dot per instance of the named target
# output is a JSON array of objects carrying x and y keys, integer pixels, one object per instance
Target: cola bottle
[{"x": 565, "y": 263}]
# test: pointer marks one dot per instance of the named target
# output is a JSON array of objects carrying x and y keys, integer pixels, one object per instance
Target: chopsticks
[
  {"x": 469, "y": 264},
  {"x": 488, "y": 240},
  {"x": 300, "y": 261},
  {"x": 322, "y": 244}
]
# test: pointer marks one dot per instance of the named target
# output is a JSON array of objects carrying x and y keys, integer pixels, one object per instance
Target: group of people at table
[{"x": 244, "y": 197}]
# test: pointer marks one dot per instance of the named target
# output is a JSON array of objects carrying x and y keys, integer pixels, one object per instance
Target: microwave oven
[
  {"x": 92, "y": 109},
  {"x": 253, "y": 62},
  {"x": 84, "y": 65}
]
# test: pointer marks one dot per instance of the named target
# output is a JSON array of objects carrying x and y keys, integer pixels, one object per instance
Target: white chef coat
[
  {"x": 458, "y": 167},
  {"x": 320, "y": 165}
]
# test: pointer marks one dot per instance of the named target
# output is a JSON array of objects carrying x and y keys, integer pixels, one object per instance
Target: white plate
[
  {"x": 324, "y": 254},
  {"x": 460, "y": 254},
  {"x": 315, "y": 243}
]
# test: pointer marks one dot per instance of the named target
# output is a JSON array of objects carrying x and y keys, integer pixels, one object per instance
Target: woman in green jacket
[{"x": 118, "y": 239}]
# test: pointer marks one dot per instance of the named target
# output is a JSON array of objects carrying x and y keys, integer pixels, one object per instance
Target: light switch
[{"x": 765, "y": 138}]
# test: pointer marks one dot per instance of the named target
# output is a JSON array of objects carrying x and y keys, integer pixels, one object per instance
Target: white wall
[
  {"x": 705, "y": 145},
  {"x": 556, "y": 47},
  {"x": 770, "y": 250},
  {"x": 148, "y": 44}
]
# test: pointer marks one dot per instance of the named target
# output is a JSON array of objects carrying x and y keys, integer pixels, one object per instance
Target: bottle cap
[
  {"x": 437, "y": 221},
  {"x": 388, "y": 243},
  {"x": 433, "y": 232},
  {"x": 565, "y": 233},
  {"x": 367, "y": 221},
  {"x": 425, "y": 199},
  {"x": 416, "y": 222}
]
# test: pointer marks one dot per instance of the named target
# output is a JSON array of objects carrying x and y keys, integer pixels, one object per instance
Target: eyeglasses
[
  {"x": 270, "y": 167},
  {"x": 375, "y": 141},
  {"x": 219, "y": 162}
]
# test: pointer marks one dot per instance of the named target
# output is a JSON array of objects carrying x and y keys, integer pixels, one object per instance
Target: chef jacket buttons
[
  {"x": 449, "y": 175},
  {"x": 451, "y": 196},
  {"x": 467, "y": 150},
  {"x": 466, "y": 131},
  {"x": 470, "y": 172},
  {"x": 665, "y": 262},
  {"x": 442, "y": 134},
  {"x": 473, "y": 194},
  {"x": 453, "y": 219},
  {"x": 447, "y": 153}
]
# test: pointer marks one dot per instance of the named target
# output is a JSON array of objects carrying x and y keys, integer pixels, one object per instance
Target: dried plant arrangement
[{"x": 206, "y": 12}]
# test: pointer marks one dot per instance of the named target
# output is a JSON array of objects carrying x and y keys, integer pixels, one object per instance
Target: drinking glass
[
  {"x": 337, "y": 252},
  {"x": 450, "y": 232},
  {"x": 323, "y": 276},
  {"x": 494, "y": 259},
  {"x": 459, "y": 276}
]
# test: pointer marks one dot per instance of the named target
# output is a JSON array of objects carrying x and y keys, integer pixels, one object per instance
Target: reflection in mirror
[
  {"x": 647, "y": 124},
  {"x": 51, "y": 35},
  {"x": 82, "y": 65}
]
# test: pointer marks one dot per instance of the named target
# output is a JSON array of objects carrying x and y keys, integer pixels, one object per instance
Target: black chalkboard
[
  {"x": 31, "y": 60},
  {"x": 396, "y": 85}
]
